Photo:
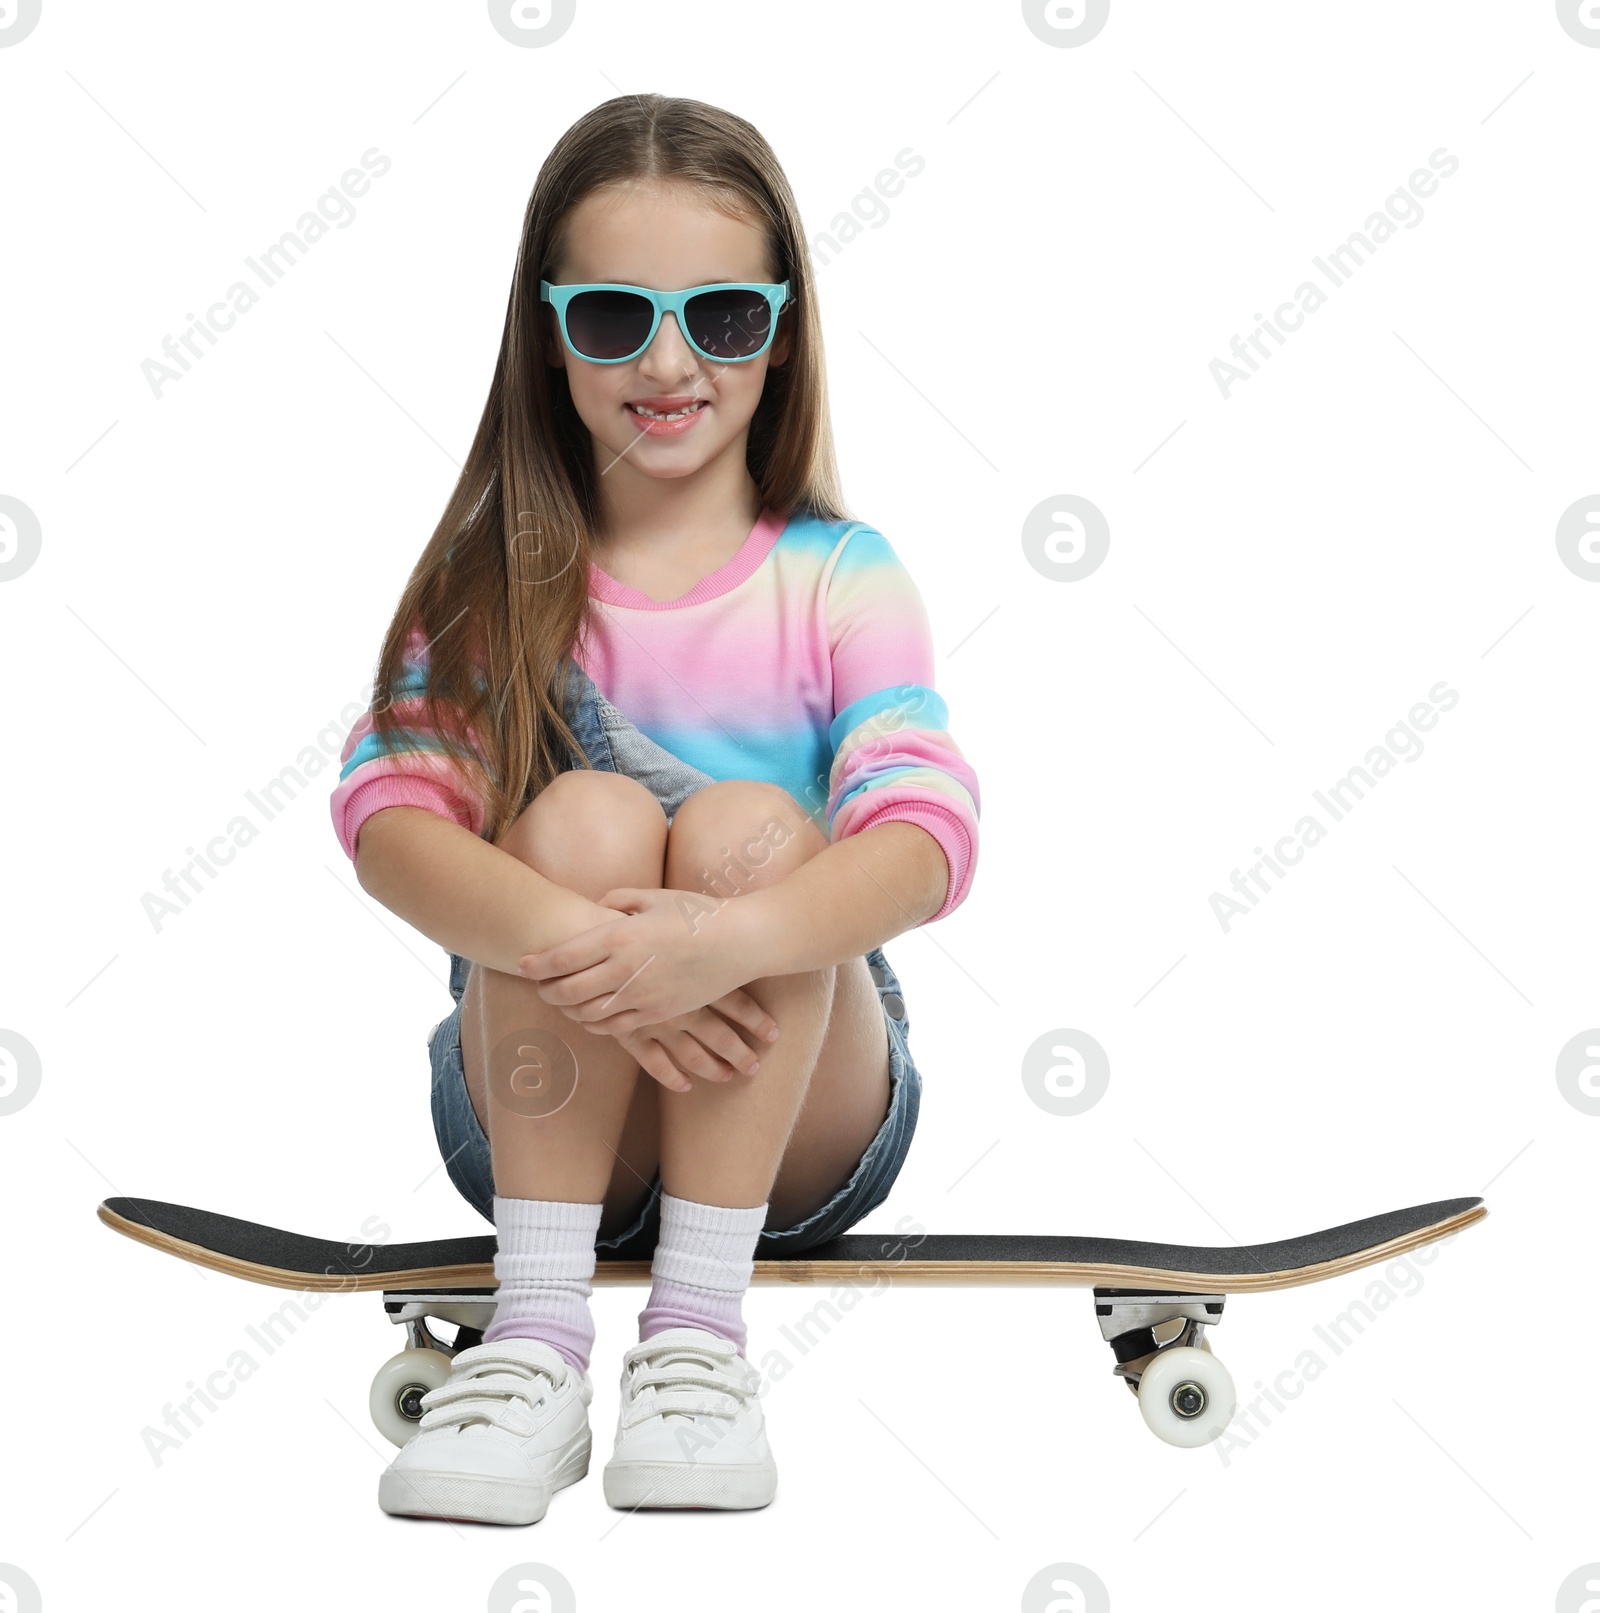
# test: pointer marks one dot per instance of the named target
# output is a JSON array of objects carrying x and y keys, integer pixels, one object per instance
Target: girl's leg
[
  {"x": 793, "y": 1134},
  {"x": 553, "y": 1096},
  {"x": 778, "y": 1146},
  {"x": 590, "y": 831}
]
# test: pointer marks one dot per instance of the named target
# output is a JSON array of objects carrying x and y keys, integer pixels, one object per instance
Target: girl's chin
[
  {"x": 661, "y": 461},
  {"x": 674, "y": 453}
]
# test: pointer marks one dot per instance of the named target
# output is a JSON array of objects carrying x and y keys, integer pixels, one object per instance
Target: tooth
[{"x": 671, "y": 414}]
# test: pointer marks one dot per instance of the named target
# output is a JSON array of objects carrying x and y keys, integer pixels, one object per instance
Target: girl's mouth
[{"x": 666, "y": 423}]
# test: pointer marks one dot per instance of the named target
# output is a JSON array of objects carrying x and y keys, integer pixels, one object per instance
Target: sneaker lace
[
  {"x": 490, "y": 1389},
  {"x": 677, "y": 1380}
]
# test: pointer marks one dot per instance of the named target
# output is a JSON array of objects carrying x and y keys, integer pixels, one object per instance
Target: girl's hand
[
  {"x": 702, "y": 1043},
  {"x": 669, "y": 953}
]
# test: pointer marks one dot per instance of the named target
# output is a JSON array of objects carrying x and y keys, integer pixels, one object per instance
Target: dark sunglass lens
[
  {"x": 729, "y": 324},
  {"x": 608, "y": 324}
]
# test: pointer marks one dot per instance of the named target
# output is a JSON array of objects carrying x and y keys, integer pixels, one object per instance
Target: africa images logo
[{"x": 18, "y": 19}]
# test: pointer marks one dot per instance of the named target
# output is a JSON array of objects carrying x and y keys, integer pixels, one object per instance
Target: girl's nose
[{"x": 668, "y": 353}]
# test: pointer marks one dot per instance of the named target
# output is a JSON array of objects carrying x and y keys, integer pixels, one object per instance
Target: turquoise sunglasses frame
[{"x": 667, "y": 302}]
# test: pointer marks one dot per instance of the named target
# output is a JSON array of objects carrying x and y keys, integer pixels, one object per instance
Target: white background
[{"x": 1289, "y": 573}]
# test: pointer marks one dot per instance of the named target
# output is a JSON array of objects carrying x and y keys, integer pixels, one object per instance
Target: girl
[{"x": 654, "y": 753}]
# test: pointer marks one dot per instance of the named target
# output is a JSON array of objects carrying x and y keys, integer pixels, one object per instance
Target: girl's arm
[
  {"x": 409, "y": 820},
  {"x": 471, "y": 897},
  {"x": 851, "y": 897},
  {"x": 894, "y": 759},
  {"x": 484, "y": 904}
]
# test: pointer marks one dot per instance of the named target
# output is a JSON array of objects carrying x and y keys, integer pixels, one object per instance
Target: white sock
[
  {"x": 704, "y": 1259},
  {"x": 544, "y": 1263}
]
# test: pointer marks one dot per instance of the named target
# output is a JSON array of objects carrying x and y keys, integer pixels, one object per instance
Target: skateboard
[{"x": 1153, "y": 1301}]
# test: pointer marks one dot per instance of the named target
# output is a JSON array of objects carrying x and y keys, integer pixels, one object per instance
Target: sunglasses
[{"x": 729, "y": 323}]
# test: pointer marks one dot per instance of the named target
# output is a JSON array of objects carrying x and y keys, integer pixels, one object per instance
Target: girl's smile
[{"x": 666, "y": 417}]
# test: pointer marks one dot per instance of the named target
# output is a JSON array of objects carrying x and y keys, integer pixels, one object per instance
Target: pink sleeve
[
  {"x": 375, "y": 775},
  {"x": 407, "y": 780},
  {"x": 894, "y": 760}
]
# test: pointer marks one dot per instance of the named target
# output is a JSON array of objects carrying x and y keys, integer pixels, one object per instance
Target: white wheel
[
  {"x": 397, "y": 1391},
  {"x": 1186, "y": 1396}
]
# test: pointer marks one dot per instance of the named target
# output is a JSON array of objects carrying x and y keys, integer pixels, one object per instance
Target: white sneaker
[
  {"x": 508, "y": 1430},
  {"x": 690, "y": 1432}
]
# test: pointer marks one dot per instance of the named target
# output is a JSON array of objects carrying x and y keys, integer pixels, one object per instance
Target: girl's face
[{"x": 665, "y": 236}]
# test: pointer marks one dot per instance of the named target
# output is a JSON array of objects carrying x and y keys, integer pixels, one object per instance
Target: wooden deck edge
[
  {"x": 1060, "y": 1273},
  {"x": 908, "y": 1270}
]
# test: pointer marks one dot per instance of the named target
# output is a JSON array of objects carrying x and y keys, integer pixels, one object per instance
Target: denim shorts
[{"x": 613, "y": 744}]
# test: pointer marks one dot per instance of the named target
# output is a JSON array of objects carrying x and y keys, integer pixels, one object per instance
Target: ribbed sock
[
  {"x": 544, "y": 1263},
  {"x": 704, "y": 1258}
]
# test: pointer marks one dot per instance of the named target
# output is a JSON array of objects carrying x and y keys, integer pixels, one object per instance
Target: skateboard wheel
[
  {"x": 397, "y": 1391},
  {"x": 1186, "y": 1396}
]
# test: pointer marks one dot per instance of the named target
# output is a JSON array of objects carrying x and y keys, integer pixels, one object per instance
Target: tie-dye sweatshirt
[{"x": 805, "y": 661}]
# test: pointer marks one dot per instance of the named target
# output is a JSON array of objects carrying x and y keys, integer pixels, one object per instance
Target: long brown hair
[{"x": 500, "y": 593}]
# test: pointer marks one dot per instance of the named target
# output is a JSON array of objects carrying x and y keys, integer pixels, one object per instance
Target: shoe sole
[
  {"x": 687, "y": 1484},
  {"x": 473, "y": 1498}
]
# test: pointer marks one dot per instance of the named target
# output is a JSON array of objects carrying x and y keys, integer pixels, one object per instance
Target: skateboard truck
[
  {"x": 1185, "y": 1394},
  {"x": 396, "y": 1397}
]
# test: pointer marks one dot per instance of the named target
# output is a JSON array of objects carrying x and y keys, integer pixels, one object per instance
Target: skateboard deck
[
  {"x": 291, "y": 1260},
  {"x": 1153, "y": 1301}
]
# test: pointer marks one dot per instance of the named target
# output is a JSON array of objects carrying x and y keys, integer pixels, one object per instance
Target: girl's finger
[
  {"x": 566, "y": 957},
  {"x": 739, "y": 1005},
  {"x": 623, "y": 1024},
  {"x": 583, "y": 1002},
  {"x": 577, "y": 990},
  {"x": 726, "y": 1042},
  {"x": 698, "y": 1059},
  {"x": 590, "y": 1012},
  {"x": 653, "y": 1056}
]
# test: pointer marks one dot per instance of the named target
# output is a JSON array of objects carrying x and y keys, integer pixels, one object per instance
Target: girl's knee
[
  {"x": 603, "y": 828},
  {"x": 739, "y": 835}
]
